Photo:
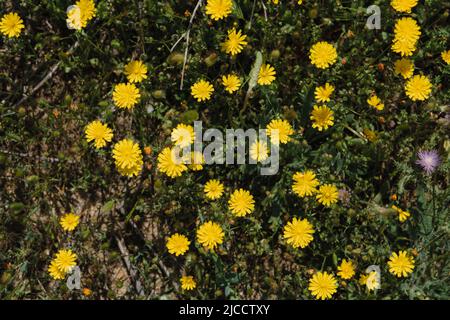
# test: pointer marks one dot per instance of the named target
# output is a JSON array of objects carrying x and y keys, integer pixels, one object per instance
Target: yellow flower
[
  {"x": 218, "y": 9},
  {"x": 401, "y": 264},
  {"x": 88, "y": 11},
  {"x": 99, "y": 133},
  {"x": 183, "y": 135},
  {"x": 65, "y": 260},
  {"x": 259, "y": 151},
  {"x": 327, "y": 194},
  {"x": 323, "y": 93},
  {"x": 74, "y": 18},
  {"x": 323, "y": 285},
  {"x": 446, "y": 56},
  {"x": 375, "y": 102},
  {"x": 235, "y": 42},
  {"x": 202, "y": 90},
  {"x": 170, "y": 163},
  {"x": 346, "y": 269},
  {"x": 136, "y": 71},
  {"x": 418, "y": 88},
  {"x": 298, "y": 233},
  {"x": 305, "y": 183},
  {"x": 363, "y": 279},
  {"x": 54, "y": 272},
  {"x": 197, "y": 161},
  {"x": 11, "y": 25},
  {"x": 188, "y": 283},
  {"x": 177, "y": 244},
  {"x": 213, "y": 189},
  {"x": 403, "y": 5},
  {"x": 323, "y": 55},
  {"x": 266, "y": 75},
  {"x": 280, "y": 127},
  {"x": 402, "y": 215},
  {"x": 371, "y": 281},
  {"x": 69, "y": 221},
  {"x": 128, "y": 157},
  {"x": 209, "y": 235},
  {"x": 407, "y": 33},
  {"x": 322, "y": 117},
  {"x": 86, "y": 292},
  {"x": 370, "y": 135},
  {"x": 231, "y": 83},
  {"x": 404, "y": 67},
  {"x": 126, "y": 95},
  {"x": 241, "y": 203}
]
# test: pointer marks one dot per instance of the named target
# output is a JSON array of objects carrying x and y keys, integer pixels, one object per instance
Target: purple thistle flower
[{"x": 428, "y": 160}]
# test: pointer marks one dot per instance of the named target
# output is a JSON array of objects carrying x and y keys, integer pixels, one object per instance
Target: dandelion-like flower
[
  {"x": 65, "y": 260},
  {"x": 126, "y": 95},
  {"x": 170, "y": 163},
  {"x": 213, "y": 189},
  {"x": 54, "y": 272},
  {"x": 266, "y": 75},
  {"x": 407, "y": 33},
  {"x": 428, "y": 160},
  {"x": 241, "y": 203},
  {"x": 219, "y": 9},
  {"x": 197, "y": 161},
  {"x": 183, "y": 135},
  {"x": 298, "y": 233},
  {"x": 404, "y": 67},
  {"x": 259, "y": 151},
  {"x": 402, "y": 214},
  {"x": 371, "y": 281},
  {"x": 74, "y": 18},
  {"x": 136, "y": 71},
  {"x": 235, "y": 42},
  {"x": 323, "y": 55},
  {"x": 327, "y": 195},
  {"x": 99, "y": 133},
  {"x": 446, "y": 56},
  {"x": 279, "y": 127},
  {"x": 401, "y": 264},
  {"x": 323, "y": 93},
  {"x": 418, "y": 88},
  {"x": 202, "y": 90},
  {"x": 128, "y": 157},
  {"x": 177, "y": 244},
  {"x": 403, "y": 5},
  {"x": 88, "y": 11},
  {"x": 322, "y": 285},
  {"x": 322, "y": 117},
  {"x": 346, "y": 269},
  {"x": 188, "y": 283},
  {"x": 305, "y": 183},
  {"x": 231, "y": 83},
  {"x": 210, "y": 234},
  {"x": 375, "y": 102},
  {"x": 11, "y": 25},
  {"x": 69, "y": 221}
]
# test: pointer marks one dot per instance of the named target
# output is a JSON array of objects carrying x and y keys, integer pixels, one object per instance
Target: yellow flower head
[
  {"x": 213, "y": 189},
  {"x": 128, "y": 157},
  {"x": 183, "y": 135},
  {"x": 136, "y": 71},
  {"x": 126, "y": 95},
  {"x": 403, "y": 5},
  {"x": 231, "y": 83},
  {"x": 375, "y": 102},
  {"x": 402, "y": 215},
  {"x": 218, "y": 9},
  {"x": 74, "y": 18},
  {"x": 54, "y": 272},
  {"x": 327, "y": 194},
  {"x": 281, "y": 127},
  {"x": 323, "y": 55},
  {"x": 188, "y": 283},
  {"x": 88, "y": 11},
  {"x": 346, "y": 269},
  {"x": 298, "y": 233},
  {"x": 177, "y": 244},
  {"x": 404, "y": 67},
  {"x": 322, "y": 117},
  {"x": 11, "y": 25},
  {"x": 418, "y": 88},
  {"x": 401, "y": 264},
  {"x": 407, "y": 33},
  {"x": 235, "y": 42},
  {"x": 65, "y": 260},
  {"x": 323, "y": 93},
  {"x": 99, "y": 133},
  {"x": 69, "y": 221},
  {"x": 197, "y": 161},
  {"x": 446, "y": 56},
  {"x": 259, "y": 151},
  {"x": 202, "y": 90},
  {"x": 322, "y": 285},
  {"x": 266, "y": 75},
  {"x": 372, "y": 281},
  {"x": 305, "y": 183},
  {"x": 210, "y": 235},
  {"x": 241, "y": 203},
  {"x": 170, "y": 163}
]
